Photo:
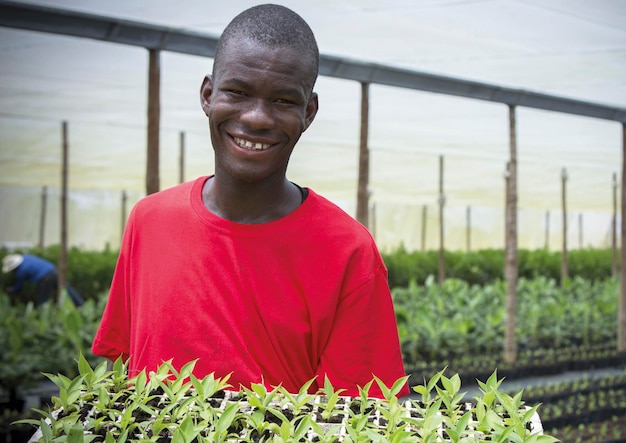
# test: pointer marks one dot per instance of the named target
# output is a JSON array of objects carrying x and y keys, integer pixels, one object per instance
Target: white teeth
[{"x": 250, "y": 145}]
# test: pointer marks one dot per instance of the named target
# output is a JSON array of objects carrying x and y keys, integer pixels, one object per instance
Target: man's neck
[{"x": 250, "y": 203}]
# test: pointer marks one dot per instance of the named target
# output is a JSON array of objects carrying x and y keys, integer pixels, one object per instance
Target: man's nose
[{"x": 258, "y": 114}]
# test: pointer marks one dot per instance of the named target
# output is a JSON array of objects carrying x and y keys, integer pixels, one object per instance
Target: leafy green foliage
[
  {"x": 439, "y": 322},
  {"x": 487, "y": 265},
  {"x": 45, "y": 339},
  {"x": 103, "y": 405},
  {"x": 458, "y": 322}
]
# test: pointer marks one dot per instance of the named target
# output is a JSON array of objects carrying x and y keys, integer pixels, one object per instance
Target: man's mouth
[{"x": 247, "y": 144}]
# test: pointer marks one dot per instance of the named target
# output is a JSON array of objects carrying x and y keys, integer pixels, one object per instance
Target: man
[
  {"x": 244, "y": 270},
  {"x": 39, "y": 272}
]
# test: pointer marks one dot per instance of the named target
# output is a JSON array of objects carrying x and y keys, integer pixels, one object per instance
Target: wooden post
[
  {"x": 507, "y": 174},
  {"x": 442, "y": 202},
  {"x": 468, "y": 229},
  {"x": 181, "y": 159},
  {"x": 62, "y": 281},
  {"x": 510, "y": 341},
  {"x": 547, "y": 241},
  {"x": 621, "y": 315},
  {"x": 364, "y": 160},
  {"x": 154, "y": 110},
  {"x": 123, "y": 218},
  {"x": 372, "y": 220},
  {"x": 424, "y": 211},
  {"x": 42, "y": 216},
  {"x": 564, "y": 244},
  {"x": 614, "y": 229},
  {"x": 580, "y": 231}
]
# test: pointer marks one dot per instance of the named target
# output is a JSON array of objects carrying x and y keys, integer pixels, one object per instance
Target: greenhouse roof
[{"x": 536, "y": 54}]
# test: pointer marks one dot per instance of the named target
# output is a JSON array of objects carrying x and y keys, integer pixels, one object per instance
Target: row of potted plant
[
  {"x": 101, "y": 405},
  {"x": 587, "y": 410},
  {"x": 456, "y": 318},
  {"x": 487, "y": 265},
  {"x": 555, "y": 391},
  {"x": 612, "y": 430},
  {"x": 442, "y": 321},
  {"x": 591, "y": 409},
  {"x": 49, "y": 338},
  {"x": 530, "y": 362},
  {"x": 584, "y": 408},
  {"x": 35, "y": 340}
]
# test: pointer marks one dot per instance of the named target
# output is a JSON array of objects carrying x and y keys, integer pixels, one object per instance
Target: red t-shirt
[{"x": 280, "y": 303}]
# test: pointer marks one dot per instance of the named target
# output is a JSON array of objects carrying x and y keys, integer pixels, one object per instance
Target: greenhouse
[{"x": 485, "y": 160}]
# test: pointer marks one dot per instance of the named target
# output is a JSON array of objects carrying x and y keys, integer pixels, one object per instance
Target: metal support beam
[
  {"x": 154, "y": 116},
  {"x": 614, "y": 229},
  {"x": 564, "y": 266},
  {"x": 181, "y": 158},
  {"x": 97, "y": 27},
  {"x": 62, "y": 277},
  {"x": 362, "y": 200},
  {"x": 42, "y": 216},
  {"x": 511, "y": 252},
  {"x": 621, "y": 315},
  {"x": 441, "y": 273}
]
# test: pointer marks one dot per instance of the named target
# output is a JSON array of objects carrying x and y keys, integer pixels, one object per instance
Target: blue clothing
[
  {"x": 43, "y": 275},
  {"x": 31, "y": 270}
]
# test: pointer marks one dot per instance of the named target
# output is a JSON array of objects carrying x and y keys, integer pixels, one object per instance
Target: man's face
[{"x": 258, "y": 103}]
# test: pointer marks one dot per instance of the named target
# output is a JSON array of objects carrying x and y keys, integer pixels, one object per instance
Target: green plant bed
[
  {"x": 553, "y": 392},
  {"x": 530, "y": 363},
  {"x": 487, "y": 265},
  {"x": 585, "y": 410},
  {"x": 36, "y": 340},
  {"x": 105, "y": 405},
  {"x": 612, "y": 430},
  {"x": 447, "y": 321},
  {"x": 591, "y": 407}
]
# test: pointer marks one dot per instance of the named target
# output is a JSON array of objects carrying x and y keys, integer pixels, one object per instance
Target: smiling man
[{"x": 243, "y": 270}]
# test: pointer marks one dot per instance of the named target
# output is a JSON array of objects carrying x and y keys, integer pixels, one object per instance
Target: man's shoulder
[
  {"x": 171, "y": 197},
  {"x": 328, "y": 206},
  {"x": 167, "y": 204},
  {"x": 335, "y": 218}
]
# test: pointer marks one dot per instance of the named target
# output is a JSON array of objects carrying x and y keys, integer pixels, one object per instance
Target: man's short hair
[{"x": 275, "y": 26}]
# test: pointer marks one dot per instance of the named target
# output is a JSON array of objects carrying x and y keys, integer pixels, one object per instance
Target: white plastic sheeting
[{"x": 575, "y": 49}]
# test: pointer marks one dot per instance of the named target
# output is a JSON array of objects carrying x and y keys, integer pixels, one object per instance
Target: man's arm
[
  {"x": 112, "y": 338},
  {"x": 364, "y": 342}
]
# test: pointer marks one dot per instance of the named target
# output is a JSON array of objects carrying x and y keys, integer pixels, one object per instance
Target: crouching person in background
[{"x": 41, "y": 273}]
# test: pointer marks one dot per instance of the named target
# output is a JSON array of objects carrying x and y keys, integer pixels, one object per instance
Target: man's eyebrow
[
  {"x": 291, "y": 92},
  {"x": 236, "y": 82}
]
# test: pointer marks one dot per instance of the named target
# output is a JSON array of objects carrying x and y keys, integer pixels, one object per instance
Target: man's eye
[
  {"x": 284, "y": 101},
  {"x": 235, "y": 92}
]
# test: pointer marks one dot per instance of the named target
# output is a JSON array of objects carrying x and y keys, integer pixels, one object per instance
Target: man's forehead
[
  {"x": 258, "y": 54},
  {"x": 236, "y": 47},
  {"x": 244, "y": 51}
]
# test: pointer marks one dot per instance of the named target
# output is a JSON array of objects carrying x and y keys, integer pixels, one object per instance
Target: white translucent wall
[
  {"x": 100, "y": 90},
  {"x": 95, "y": 221}
]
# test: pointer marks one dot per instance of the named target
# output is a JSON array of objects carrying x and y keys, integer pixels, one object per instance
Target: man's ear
[
  {"x": 205, "y": 94},
  {"x": 311, "y": 110}
]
